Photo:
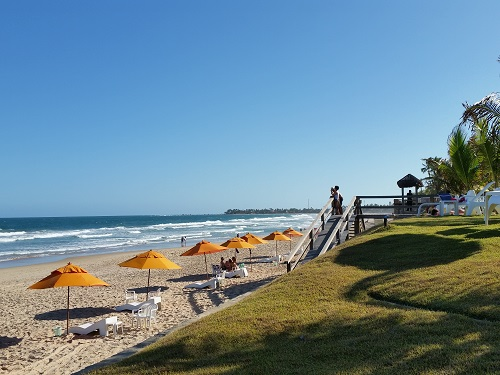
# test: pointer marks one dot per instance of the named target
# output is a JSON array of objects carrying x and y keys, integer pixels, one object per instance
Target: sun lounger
[
  {"x": 102, "y": 326},
  {"x": 474, "y": 203},
  {"x": 240, "y": 272},
  {"x": 492, "y": 201},
  {"x": 137, "y": 305},
  {"x": 212, "y": 284},
  {"x": 276, "y": 259}
]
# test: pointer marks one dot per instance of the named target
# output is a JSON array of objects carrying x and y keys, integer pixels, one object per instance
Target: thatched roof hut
[{"x": 410, "y": 181}]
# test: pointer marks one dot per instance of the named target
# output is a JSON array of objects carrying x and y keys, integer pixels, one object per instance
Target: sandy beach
[{"x": 27, "y": 341}]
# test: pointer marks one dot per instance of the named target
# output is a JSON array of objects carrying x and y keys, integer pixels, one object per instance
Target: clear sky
[{"x": 168, "y": 107}]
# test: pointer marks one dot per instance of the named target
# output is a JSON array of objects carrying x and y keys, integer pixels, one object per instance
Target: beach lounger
[
  {"x": 240, "y": 272},
  {"x": 474, "y": 203},
  {"x": 276, "y": 259},
  {"x": 212, "y": 284},
  {"x": 137, "y": 305},
  {"x": 492, "y": 201},
  {"x": 102, "y": 326}
]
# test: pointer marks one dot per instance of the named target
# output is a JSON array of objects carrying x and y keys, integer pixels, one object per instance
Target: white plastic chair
[
  {"x": 136, "y": 305},
  {"x": 113, "y": 323},
  {"x": 474, "y": 203},
  {"x": 155, "y": 293},
  {"x": 130, "y": 296},
  {"x": 146, "y": 314}
]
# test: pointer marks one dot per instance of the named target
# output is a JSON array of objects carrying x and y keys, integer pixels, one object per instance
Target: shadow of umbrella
[
  {"x": 77, "y": 312},
  {"x": 277, "y": 236},
  {"x": 6, "y": 341},
  {"x": 254, "y": 240},
  {"x": 150, "y": 260},
  {"x": 204, "y": 247},
  {"x": 69, "y": 275}
]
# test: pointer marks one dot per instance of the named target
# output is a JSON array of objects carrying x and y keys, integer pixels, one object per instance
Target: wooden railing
[
  {"x": 306, "y": 242},
  {"x": 353, "y": 209}
]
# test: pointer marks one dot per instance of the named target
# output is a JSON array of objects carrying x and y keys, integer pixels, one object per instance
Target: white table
[{"x": 490, "y": 198}]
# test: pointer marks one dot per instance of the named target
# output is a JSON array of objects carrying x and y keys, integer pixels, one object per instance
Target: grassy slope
[{"x": 341, "y": 313}]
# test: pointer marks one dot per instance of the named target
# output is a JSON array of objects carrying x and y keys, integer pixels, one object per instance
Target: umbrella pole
[
  {"x": 147, "y": 292},
  {"x": 276, "y": 248},
  {"x": 67, "y": 315},
  {"x": 250, "y": 259},
  {"x": 206, "y": 267}
]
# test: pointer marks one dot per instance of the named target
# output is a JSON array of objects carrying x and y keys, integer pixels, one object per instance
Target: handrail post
[{"x": 323, "y": 221}]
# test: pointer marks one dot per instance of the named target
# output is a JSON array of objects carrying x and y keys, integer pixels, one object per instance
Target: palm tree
[
  {"x": 463, "y": 165},
  {"x": 487, "y": 108},
  {"x": 435, "y": 180},
  {"x": 488, "y": 150}
]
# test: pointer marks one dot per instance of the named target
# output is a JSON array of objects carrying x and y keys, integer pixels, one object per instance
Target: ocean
[{"x": 25, "y": 241}]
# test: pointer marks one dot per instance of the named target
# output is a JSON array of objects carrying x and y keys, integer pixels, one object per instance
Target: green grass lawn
[{"x": 421, "y": 296}]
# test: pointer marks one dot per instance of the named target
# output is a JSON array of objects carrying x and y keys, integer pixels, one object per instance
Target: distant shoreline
[{"x": 267, "y": 211}]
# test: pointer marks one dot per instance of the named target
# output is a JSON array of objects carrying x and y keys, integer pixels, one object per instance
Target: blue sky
[{"x": 168, "y": 107}]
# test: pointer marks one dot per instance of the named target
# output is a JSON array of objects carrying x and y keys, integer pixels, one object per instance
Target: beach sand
[{"x": 27, "y": 341}]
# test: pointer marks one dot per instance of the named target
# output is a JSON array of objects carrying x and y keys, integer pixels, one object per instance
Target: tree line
[{"x": 253, "y": 211}]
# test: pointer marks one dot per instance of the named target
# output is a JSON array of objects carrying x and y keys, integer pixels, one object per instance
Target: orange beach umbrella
[
  {"x": 290, "y": 232},
  {"x": 150, "y": 260},
  {"x": 277, "y": 236},
  {"x": 254, "y": 240},
  {"x": 238, "y": 243},
  {"x": 69, "y": 275},
  {"x": 204, "y": 247}
]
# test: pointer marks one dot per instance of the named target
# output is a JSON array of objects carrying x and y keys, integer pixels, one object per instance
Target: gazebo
[{"x": 409, "y": 181}]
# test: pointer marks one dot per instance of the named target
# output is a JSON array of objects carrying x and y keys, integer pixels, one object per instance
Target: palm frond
[{"x": 487, "y": 108}]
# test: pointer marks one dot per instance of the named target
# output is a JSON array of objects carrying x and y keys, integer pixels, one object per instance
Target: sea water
[{"x": 26, "y": 241}]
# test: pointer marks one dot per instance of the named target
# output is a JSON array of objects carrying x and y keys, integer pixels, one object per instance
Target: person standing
[
  {"x": 340, "y": 200},
  {"x": 332, "y": 195},
  {"x": 337, "y": 200},
  {"x": 409, "y": 200}
]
